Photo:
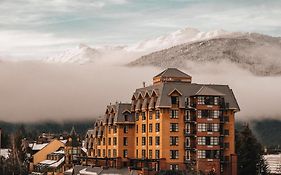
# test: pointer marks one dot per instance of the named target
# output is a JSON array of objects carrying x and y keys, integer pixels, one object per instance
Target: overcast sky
[{"x": 45, "y": 27}]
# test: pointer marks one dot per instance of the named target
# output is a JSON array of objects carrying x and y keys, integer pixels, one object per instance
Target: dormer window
[
  {"x": 175, "y": 100},
  {"x": 126, "y": 118}
]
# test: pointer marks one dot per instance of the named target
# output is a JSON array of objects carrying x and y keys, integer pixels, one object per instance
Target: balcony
[
  {"x": 190, "y": 147},
  {"x": 190, "y": 119},
  {"x": 191, "y": 105},
  {"x": 189, "y": 161},
  {"x": 190, "y": 133},
  {"x": 223, "y": 105}
]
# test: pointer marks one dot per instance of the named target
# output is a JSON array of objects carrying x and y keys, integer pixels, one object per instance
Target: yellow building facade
[{"x": 173, "y": 124}]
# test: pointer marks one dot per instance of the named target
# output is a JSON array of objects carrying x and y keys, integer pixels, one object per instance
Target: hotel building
[{"x": 173, "y": 124}]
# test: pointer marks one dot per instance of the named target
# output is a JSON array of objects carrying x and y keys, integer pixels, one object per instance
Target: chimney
[{"x": 143, "y": 83}]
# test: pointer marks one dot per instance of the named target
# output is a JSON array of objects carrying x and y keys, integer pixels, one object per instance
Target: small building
[{"x": 274, "y": 163}]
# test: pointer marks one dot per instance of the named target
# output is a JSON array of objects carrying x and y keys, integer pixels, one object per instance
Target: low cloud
[{"x": 34, "y": 91}]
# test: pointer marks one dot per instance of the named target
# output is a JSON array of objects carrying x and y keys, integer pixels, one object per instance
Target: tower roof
[
  {"x": 172, "y": 75},
  {"x": 173, "y": 72}
]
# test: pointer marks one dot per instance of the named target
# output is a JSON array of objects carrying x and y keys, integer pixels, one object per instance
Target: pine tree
[{"x": 249, "y": 151}]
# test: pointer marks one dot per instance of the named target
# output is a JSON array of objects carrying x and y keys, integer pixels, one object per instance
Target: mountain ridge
[{"x": 257, "y": 53}]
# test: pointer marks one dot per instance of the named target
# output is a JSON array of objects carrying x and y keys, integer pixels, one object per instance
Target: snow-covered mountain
[
  {"x": 86, "y": 54},
  {"x": 81, "y": 54},
  {"x": 178, "y": 37},
  {"x": 260, "y": 54}
]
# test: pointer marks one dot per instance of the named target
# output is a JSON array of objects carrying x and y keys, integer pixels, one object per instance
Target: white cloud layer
[{"x": 32, "y": 91}]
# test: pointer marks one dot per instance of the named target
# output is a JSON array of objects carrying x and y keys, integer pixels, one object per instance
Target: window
[
  {"x": 157, "y": 127},
  {"x": 99, "y": 153},
  {"x": 174, "y": 167},
  {"x": 174, "y": 140},
  {"x": 125, "y": 141},
  {"x": 174, "y": 113},
  {"x": 226, "y": 145},
  {"x": 114, "y": 153},
  {"x": 226, "y": 118},
  {"x": 143, "y": 128},
  {"x": 109, "y": 130},
  {"x": 103, "y": 141},
  {"x": 215, "y": 127},
  {"x": 114, "y": 141},
  {"x": 143, "y": 140},
  {"x": 99, "y": 141},
  {"x": 174, "y": 154},
  {"x": 150, "y": 115},
  {"x": 137, "y": 128},
  {"x": 103, "y": 153},
  {"x": 187, "y": 141},
  {"x": 201, "y": 154},
  {"x": 137, "y": 116},
  {"x": 125, "y": 129},
  {"x": 115, "y": 129},
  {"x": 214, "y": 141},
  {"x": 126, "y": 118},
  {"x": 216, "y": 100},
  {"x": 199, "y": 114},
  {"x": 143, "y": 116},
  {"x": 201, "y": 140},
  {"x": 143, "y": 153},
  {"x": 201, "y": 127},
  {"x": 150, "y": 140},
  {"x": 150, "y": 154},
  {"x": 216, "y": 114},
  {"x": 175, "y": 100},
  {"x": 187, "y": 115},
  {"x": 137, "y": 153},
  {"x": 212, "y": 154},
  {"x": 109, "y": 153},
  {"x": 200, "y": 101},
  {"x": 157, "y": 154},
  {"x": 226, "y": 132},
  {"x": 157, "y": 140},
  {"x": 210, "y": 127},
  {"x": 187, "y": 155},
  {"x": 157, "y": 114},
  {"x": 109, "y": 141},
  {"x": 150, "y": 128},
  {"x": 125, "y": 153},
  {"x": 174, "y": 127}
]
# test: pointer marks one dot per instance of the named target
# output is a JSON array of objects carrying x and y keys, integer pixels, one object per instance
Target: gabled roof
[
  {"x": 173, "y": 72},
  {"x": 207, "y": 91}
]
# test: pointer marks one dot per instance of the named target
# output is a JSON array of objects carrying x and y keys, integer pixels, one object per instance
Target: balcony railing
[
  {"x": 191, "y": 147},
  {"x": 189, "y": 161},
  {"x": 190, "y": 133},
  {"x": 190, "y": 119},
  {"x": 191, "y": 105}
]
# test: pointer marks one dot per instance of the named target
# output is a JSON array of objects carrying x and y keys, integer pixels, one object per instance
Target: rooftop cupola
[{"x": 172, "y": 75}]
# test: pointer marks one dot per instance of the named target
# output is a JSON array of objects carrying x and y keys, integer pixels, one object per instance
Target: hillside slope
[{"x": 260, "y": 54}]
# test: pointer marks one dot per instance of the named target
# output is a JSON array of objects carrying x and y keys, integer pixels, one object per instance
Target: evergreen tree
[{"x": 249, "y": 151}]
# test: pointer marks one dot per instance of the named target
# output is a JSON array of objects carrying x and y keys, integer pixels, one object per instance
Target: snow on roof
[
  {"x": 47, "y": 162},
  {"x": 63, "y": 141},
  {"x": 274, "y": 163},
  {"x": 69, "y": 171},
  {"x": 84, "y": 149},
  {"x": 58, "y": 163},
  {"x": 85, "y": 172},
  {"x": 5, "y": 153},
  {"x": 59, "y": 152},
  {"x": 37, "y": 147}
]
